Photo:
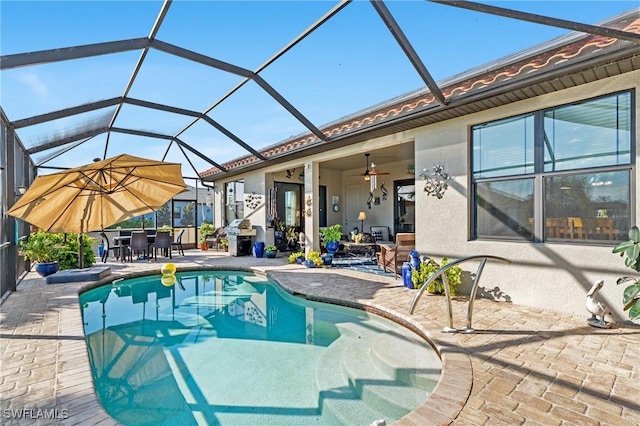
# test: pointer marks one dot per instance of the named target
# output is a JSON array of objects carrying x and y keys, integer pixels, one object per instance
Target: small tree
[{"x": 630, "y": 250}]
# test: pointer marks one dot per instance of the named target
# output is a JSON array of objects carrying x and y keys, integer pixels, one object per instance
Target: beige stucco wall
[{"x": 550, "y": 275}]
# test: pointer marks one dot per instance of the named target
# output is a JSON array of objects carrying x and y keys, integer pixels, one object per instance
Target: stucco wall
[
  {"x": 550, "y": 275},
  {"x": 553, "y": 276}
]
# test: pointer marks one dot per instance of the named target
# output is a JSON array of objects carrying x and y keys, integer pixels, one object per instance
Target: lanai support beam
[{"x": 408, "y": 49}]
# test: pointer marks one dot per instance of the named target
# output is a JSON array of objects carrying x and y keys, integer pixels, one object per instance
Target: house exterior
[{"x": 541, "y": 149}]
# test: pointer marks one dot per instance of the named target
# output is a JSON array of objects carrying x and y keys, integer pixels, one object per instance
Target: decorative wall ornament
[
  {"x": 253, "y": 200},
  {"x": 385, "y": 193},
  {"x": 411, "y": 169},
  {"x": 307, "y": 211},
  {"x": 437, "y": 183}
]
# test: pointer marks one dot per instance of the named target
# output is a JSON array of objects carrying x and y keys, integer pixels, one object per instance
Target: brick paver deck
[{"x": 522, "y": 366}]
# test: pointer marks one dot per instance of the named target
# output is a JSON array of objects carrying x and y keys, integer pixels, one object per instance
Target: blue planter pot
[
  {"x": 327, "y": 260},
  {"x": 46, "y": 269},
  {"x": 406, "y": 275},
  {"x": 309, "y": 264},
  {"x": 258, "y": 249},
  {"x": 333, "y": 246},
  {"x": 270, "y": 254},
  {"x": 300, "y": 260}
]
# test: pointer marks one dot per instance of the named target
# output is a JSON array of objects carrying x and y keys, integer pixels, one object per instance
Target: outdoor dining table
[{"x": 123, "y": 241}]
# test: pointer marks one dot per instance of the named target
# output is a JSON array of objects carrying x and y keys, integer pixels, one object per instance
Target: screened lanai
[{"x": 219, "y": 86}]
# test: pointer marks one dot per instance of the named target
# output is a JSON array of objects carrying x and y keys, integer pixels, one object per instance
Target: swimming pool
[{"x": 233, "y": 348}]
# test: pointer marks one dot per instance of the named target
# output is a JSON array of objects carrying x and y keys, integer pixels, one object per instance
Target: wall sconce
[{"x": 437, "y": 183}]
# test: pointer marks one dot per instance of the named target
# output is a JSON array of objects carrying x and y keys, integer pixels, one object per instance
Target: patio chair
[
  {"x": 178, "y": 243},
  {"x": 217, "y": 237},
  {"x": 139, "y": 243},
  {"x": 392, "y": 257},
  {"x": 163, "y": 241},
  {"x": 117, "y": 250}
]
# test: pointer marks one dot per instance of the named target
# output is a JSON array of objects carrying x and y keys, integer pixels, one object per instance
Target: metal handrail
[{"x": 472, "y": 295}]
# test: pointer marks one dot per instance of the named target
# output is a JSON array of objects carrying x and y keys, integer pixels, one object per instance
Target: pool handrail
[{"x": 472, "y": 295}]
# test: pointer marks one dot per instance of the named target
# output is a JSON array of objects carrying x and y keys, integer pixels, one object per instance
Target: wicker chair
[{"x": 391, "y": 257}]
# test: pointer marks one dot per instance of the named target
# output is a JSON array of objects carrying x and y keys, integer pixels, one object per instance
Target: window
[
  {"x": 562, "y": 174},
  {"x": 234, "y": 204}
]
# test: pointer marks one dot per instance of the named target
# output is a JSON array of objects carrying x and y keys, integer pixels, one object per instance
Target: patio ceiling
[{"x": 216, "y": 88}]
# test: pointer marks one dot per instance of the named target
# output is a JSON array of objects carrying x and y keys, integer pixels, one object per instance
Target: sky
[{"x": 350, "y": 63}]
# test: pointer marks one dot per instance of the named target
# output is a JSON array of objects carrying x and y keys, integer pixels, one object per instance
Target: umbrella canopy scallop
[{"x": 100, "y": 194}]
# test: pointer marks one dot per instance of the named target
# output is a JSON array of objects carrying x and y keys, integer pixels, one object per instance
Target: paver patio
[{"x": 523, "y": 365}]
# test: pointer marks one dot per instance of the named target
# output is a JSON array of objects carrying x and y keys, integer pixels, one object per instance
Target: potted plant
[
  {"x": 165, "y": 228},
  {"x": 292, "y": 238},
  {"x": 270, "y": 251},
  {"x": 296, "y": 257},
  {"x": 314, "y": 259},
  {"x": 631, "y": 251},
  {"x": 206, "y": 229},
  {"x": 426, "y": 269},
  {"x": 331, "y": 237},
  {"x": 42, "y": 248}
]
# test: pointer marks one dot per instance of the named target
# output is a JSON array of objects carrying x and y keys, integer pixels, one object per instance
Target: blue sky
[{"x": 350, "y": 63}]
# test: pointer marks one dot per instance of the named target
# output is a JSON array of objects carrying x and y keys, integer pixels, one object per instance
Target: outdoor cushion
[
  {"x": 95, "y": 273},
  {"x": 381, "y": 234}
]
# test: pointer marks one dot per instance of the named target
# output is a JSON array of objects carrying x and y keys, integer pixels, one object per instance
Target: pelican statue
[{"x": 595, "y": 308}]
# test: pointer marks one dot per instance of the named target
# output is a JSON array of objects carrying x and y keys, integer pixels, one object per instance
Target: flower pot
[
  {"x": 270, "y": 254},
  {"x": 327, "y": 260},
  {"x": 300, "y": 260},
  {"x": 332, "y": 246},
  {"x": 258, "y": 249},
  {"x": 406, "y": 275},
  {"x": 47, "y": 268},
  {"x": 309, "y": 264}
]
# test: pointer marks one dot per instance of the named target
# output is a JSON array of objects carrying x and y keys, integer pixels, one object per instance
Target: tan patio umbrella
[{"x": 92, "y": 197}]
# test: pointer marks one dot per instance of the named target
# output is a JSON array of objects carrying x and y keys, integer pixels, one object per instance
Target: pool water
[{"x": 233, "y": 348}]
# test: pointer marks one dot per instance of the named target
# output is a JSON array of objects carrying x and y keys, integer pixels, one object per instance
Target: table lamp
[{"x": 362, "y": 217}]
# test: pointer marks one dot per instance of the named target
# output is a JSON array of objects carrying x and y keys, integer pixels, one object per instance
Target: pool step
[
  {"x": 337, "y": 398},
  {"x": 407, "y": 357},
  {"x": 376, "y": 386},
  {"x": 392, "y": 368}
]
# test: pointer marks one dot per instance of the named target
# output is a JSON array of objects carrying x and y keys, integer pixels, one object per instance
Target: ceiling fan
[{"x": 373, "y": 172}]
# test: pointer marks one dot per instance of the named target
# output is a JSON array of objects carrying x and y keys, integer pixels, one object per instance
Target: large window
[{"x": 560, "y": 174}]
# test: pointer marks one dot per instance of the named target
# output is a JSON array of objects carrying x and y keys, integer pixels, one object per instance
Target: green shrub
[
  {"x": 630, "y": 250},
  {"x": 315, "y": 257},
  {"x": 293, "y": 257},
  {"x": 42, "y": 247},
  {"x": 428, "y": 268}
]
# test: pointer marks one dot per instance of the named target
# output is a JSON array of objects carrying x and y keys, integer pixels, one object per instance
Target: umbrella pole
[{"x": 80, "y": 248}]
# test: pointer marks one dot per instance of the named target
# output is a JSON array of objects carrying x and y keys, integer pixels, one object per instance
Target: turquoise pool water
[{"x": 233, "y": 348}]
